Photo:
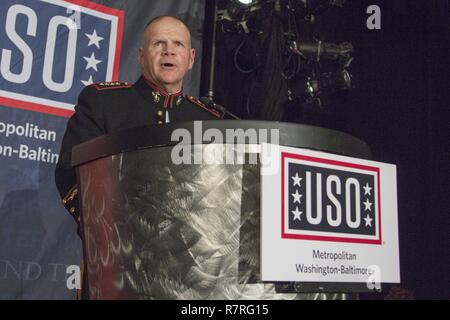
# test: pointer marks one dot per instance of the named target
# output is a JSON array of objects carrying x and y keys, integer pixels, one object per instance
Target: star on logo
[
  {"x": 94, "y": 39},
  {"x": 297, "y": 214},
  {"x": 297, "y": 197},
  {"x": 92, "y": 62},
  {"x": 368, "y": 220},
  {"x": 88, "y": 82},
  {"x": 297, "y": 179},
  {"x": 367, "y": 205},
  {"x": 367, "y": 189}
]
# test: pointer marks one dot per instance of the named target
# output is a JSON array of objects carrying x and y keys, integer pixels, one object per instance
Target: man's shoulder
[
  {"x": 201, "y": 106},
  {"x": 106, "y": 90},
  {"x": 107, "y": 87},
  {"x": 112, "y": 85},
  {"x": 105, "y": 94}
]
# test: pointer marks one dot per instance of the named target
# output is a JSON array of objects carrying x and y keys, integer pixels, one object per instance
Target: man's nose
[{"x": 169, "y": 49}]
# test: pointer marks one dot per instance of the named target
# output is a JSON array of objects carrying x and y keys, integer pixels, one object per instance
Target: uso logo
[
  {"x": 328, "y": 200},
  {"x": 51, "y": 49}
]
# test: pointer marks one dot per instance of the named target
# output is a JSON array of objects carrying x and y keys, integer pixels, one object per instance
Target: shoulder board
[
  {"x": 112, "y": 85},
  {"x": 200, "y": 104}
]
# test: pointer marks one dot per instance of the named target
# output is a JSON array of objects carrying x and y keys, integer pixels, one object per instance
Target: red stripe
[
  {"x": 24, "y": 105},
  {"x": 120, "y": 24},
  {"x": 379, "y": 205},
  {"x": 332, "y": 162},
  {"x": 214, "y": 112},
  {"x": 95, "y": 6},
  {"x": 201, "y": 105},
  {"x": 120, "y": 17},
  {"x": 283, "y": 234},
  {"x": 331, "y": 239}
]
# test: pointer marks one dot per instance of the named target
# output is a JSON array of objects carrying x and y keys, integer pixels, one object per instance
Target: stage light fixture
[
  {"x": 246, "y": 2},
  {"x": 236, "y": 15},
  {"x": 239, "y": 10},
  {"x": 316, "y": 7},
  {"x": 328, "y": 83},
  {"x": 317, "y": 51}
]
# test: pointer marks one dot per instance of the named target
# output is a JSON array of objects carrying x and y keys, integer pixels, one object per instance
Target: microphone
[{"x": 210, "y": 103}]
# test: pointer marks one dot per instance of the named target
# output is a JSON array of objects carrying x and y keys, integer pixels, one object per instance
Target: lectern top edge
[{"x": 290, "y": 134}]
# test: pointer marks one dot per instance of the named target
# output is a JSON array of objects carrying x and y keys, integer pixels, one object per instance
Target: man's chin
[{"x": 171, "y": 85}]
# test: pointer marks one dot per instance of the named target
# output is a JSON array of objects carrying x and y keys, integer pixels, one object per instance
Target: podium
[{"x": 153, "y": 229}]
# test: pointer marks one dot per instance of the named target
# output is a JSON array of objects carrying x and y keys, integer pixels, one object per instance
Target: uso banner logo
[
  {"x": 51, "y": 49},
  {"x": 329, "y": 200}
]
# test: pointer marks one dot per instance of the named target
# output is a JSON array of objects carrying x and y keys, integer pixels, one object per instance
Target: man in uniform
[{"x": 165, "y": 57}]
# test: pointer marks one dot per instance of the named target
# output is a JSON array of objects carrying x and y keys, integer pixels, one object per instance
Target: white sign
[{"x": 327, "y": 218}]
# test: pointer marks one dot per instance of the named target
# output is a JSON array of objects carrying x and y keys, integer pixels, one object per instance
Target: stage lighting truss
[
  {"x": 309, "y": 9},
  {"x": 303, "y": 60}
]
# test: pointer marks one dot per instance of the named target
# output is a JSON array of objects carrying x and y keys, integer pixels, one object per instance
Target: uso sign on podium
[
  {"x": 328, "y": 218},
  {"x": 157, "y": 225}
]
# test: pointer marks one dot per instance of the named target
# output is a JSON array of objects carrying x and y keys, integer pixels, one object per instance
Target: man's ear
[
  {"x": 192, "y": 58},
  {"x": 140, "y": 56}
]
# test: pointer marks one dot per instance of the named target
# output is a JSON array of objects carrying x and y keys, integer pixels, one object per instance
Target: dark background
[{"x": 399, "y": 106}]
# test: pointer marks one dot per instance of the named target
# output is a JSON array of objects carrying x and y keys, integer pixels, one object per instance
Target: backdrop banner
[{"x": 49, "y": 51}]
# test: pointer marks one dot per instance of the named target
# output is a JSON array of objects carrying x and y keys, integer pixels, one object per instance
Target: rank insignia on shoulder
[
  {"x": 203, "y": 106},
  {"x": 112, "y": 85}
]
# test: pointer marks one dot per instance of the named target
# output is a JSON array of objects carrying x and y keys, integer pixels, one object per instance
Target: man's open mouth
[{"x": 168, "y": 65}]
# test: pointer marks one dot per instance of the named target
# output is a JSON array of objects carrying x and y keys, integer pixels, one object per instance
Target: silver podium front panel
[{"x": 156, "y": 230}]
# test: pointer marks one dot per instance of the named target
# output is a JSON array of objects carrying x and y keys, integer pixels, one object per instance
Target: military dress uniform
[{"x": 114, "y": 106}]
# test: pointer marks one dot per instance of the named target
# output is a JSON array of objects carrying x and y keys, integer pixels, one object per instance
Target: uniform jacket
[{"x": 114, "y": 106}]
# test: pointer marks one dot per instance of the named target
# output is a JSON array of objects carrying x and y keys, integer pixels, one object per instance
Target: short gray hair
[{"x": 157, "y": 18}]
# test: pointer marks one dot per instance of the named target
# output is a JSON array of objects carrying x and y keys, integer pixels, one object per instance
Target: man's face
[{"x": 166, "y": 55}]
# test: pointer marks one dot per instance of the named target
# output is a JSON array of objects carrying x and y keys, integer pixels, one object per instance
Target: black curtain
[{"x": 399, "y": 106}]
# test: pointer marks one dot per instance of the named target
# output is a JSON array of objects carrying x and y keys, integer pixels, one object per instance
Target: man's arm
[{"x": 85, "y": 124}]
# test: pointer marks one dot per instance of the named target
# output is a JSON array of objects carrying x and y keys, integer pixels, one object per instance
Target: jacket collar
[
  {"x": 161, "y": 91},
  {"x": 158, "y": 95}
]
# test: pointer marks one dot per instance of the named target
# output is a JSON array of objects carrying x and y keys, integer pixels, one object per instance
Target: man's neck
[{"x": 167, "y": 89}]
